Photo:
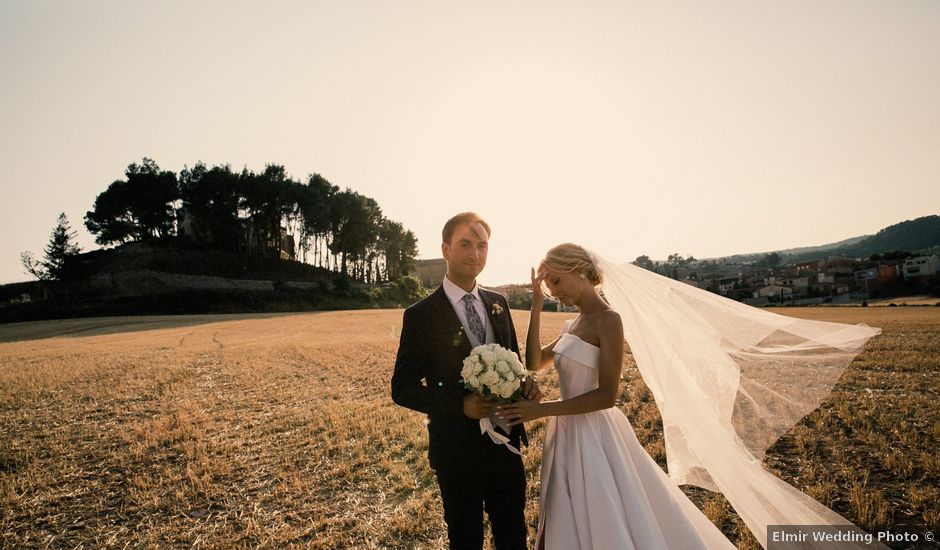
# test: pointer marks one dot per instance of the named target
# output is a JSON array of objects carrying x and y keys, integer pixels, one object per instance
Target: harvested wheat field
[{"x": 277, "y": 430}]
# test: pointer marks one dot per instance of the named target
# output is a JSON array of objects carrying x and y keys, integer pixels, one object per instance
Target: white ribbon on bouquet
[{"x": 486, "y": 427}]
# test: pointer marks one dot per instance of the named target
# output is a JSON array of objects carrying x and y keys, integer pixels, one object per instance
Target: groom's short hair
[{"x": 464, "y": 217}]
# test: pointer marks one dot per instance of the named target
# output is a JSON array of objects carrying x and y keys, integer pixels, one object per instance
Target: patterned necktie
[{"x": 473, "y": 319}]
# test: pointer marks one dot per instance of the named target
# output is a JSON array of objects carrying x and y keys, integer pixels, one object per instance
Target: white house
[
  {"x": 796, "y": 281},
  {"x": 774, "y": 290},
  {"x": 726, "y": 284},
  {"x": 921, "y": 266}
]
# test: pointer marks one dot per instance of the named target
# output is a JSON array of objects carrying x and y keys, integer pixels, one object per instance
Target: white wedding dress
[
  {"x": 728, "y": 379},
  {"x": 599, "y": 487}
]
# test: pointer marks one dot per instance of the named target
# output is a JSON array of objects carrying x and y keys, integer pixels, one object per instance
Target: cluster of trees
[
  {"x": 256, "y": 214},
  {"x": 669, "y": 268},
  {"x": 770, "y": 261}
]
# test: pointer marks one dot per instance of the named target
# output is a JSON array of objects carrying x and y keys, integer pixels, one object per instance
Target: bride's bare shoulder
[
  {"x": 610, "y": 323},
  {"x": 610, "y": 316}
]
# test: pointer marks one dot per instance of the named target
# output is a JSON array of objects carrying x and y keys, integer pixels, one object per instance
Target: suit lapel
[
  {"x": 451, "y": 324},
  {"x": 500, "y": 329}
]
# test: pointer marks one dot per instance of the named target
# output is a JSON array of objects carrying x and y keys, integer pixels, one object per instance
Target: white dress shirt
[{"x": 455, "y": 294}]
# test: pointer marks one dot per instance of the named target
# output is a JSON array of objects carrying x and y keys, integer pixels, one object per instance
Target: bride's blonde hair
[{"x": 569, "y": 257}]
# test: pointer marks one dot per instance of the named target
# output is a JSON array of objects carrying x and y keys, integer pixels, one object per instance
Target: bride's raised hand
[{"x": 537, "y": 297}]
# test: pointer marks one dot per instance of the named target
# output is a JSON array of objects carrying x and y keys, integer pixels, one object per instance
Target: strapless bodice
[{"x": 576, "y": 362}]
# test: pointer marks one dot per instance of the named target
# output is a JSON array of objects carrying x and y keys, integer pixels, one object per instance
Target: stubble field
[{"x": 278, "y": 430}]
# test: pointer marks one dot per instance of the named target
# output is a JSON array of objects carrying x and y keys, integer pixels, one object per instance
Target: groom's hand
[{"x": 475, "y": 406}]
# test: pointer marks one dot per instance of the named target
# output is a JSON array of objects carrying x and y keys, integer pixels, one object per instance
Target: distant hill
[
  {"x": 921, "y": 234},
  {"x": 910, "y": 235},
  {"x": 801, "y": 252}
]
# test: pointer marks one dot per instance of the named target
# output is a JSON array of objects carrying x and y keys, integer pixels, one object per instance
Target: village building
[
  {"x": 921, "y": 266},
  {"x": 807, "y": 266},
  {"x": 772, "y": 280},
  {"x": 795, "y": 282},
  {"x": 431, "y": 272},
  {"x": 840, "y": 264},
  {"x": 726, "y": 285},
  {"x": 771, "y": 291}
]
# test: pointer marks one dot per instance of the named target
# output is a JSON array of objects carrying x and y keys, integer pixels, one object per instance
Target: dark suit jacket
[{"x": 432, "y": 349}]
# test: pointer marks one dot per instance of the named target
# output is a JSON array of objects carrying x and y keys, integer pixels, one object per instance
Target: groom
[{"x": 474, "y": 473}]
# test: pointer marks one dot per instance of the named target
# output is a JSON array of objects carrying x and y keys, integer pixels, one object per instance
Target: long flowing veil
[{"x": 729, "y": 379}]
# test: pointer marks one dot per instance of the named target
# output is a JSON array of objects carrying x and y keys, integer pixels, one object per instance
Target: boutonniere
[
  {"x": 458, "y": 338},
  {"x": 496, "y": 309}
]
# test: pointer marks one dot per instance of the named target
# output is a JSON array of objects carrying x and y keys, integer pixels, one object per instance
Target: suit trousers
[{"x": 495, "y": 483}]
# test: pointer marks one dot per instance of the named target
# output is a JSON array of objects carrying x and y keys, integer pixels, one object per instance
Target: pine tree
[{"x": 61, "y": 246}]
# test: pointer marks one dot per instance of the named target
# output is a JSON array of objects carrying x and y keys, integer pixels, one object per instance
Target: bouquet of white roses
[{"x": 494, "y": 371}]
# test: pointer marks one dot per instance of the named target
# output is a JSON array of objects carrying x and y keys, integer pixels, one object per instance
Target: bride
[{"x": 728, "y": 380}]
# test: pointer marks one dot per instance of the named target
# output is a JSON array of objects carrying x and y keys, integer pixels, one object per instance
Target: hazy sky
[{"x": 708, "y": 128}]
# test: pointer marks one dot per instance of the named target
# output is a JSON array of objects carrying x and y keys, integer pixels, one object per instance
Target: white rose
[
  {"x": 474, "y": 382},
  {"x": 467, "y": 370},
  {"x": 477, "y": 368},
  {"x": 488, "y": 358},
  {"x": 490, "y": 378},
  {"x": 509, "y": 377},
  {"x": 506, "y": 389},
  {"x": 517, "y": 367},
  {"x": 502, "y": 366}
]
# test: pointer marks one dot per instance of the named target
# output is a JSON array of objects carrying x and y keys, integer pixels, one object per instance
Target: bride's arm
[
  {"x": 610, "y": 364},
  {"x": 537, "y": 357}
]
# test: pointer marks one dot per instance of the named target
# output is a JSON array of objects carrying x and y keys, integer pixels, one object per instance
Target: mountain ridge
[{"x": 913, "y": 235}]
